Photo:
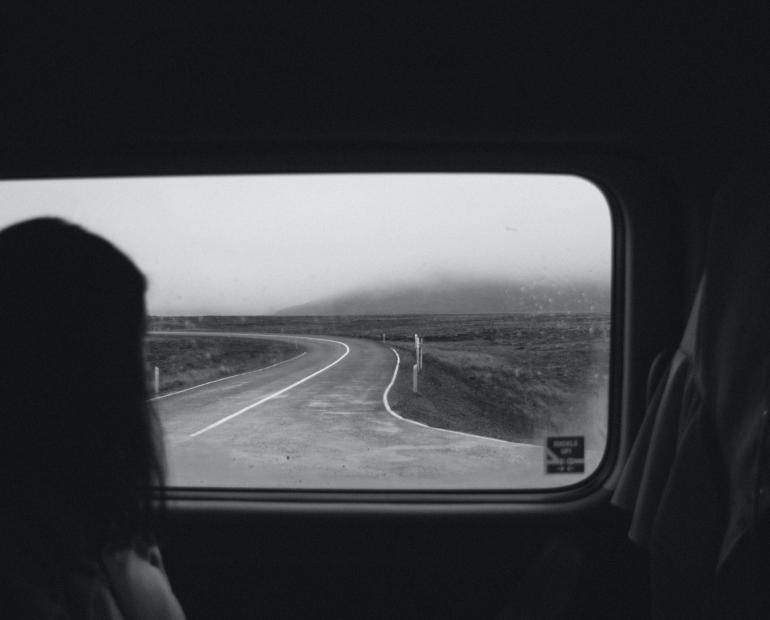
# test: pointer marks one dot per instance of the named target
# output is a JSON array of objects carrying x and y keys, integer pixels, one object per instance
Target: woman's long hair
[{"x": 79, "y": 444}]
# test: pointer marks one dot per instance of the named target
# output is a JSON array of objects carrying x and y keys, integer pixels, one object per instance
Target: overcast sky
[{"x": 255, "y": 244}]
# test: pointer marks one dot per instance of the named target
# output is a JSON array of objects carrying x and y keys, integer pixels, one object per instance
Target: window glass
[{"x": 383, "y": 331}]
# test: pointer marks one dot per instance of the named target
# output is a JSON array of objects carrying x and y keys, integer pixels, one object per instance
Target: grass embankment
[
  {"x": 185, "y": 361},
  {"x": 550, "y": 379}
]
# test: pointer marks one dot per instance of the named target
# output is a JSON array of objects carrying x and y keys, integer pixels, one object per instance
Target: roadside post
[
  {"x": 417, "y": 368},
  {"x": 418, "y": 342},
  {"x": 419, "y": 359},
  {"x": 157, "y": 380},
  {"x": 418, "y": 351}
]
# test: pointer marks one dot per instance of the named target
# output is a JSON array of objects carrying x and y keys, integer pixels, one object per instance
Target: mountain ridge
[{"x": 467, "y": 297}]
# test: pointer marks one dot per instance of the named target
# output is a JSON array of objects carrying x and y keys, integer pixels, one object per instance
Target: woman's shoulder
[
  {"x": 139, "y": 584},
  {"x": 56, "y": 576},
  {"x": 34, "y": 587}
]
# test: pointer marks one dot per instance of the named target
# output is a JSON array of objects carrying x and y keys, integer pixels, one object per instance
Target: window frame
[{"x": 637, "y": 202}]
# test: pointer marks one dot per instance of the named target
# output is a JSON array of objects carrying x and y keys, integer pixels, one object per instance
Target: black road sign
[{"x": 565, "y": 455}]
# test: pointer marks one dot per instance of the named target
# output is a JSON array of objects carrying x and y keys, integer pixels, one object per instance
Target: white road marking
[
  {"x": 390, "y": 385},
  {"x": 240, "y": 374},
  {"x": 434, "y": 428},
  {"x": 279, "y": 392}
]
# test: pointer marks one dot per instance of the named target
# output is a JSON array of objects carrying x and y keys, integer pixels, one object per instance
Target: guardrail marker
[{"x": 157, "y": 379}]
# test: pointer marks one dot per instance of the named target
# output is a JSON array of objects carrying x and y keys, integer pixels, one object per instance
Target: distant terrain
[
  {"x": 453, "y": 296},
  {"x": 517, "y": 377}
]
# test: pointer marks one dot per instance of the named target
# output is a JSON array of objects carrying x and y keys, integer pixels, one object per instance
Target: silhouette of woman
[{"x": 79, "y": 445}]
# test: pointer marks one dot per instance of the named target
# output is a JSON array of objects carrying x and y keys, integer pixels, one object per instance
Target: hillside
[{"x": 462, "y": 297}]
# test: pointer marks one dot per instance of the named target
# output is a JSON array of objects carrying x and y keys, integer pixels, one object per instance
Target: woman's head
[{"x": 76, "y": 433}]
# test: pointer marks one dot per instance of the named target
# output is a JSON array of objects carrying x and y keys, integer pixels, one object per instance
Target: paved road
[{"x": 319, "y": 421}]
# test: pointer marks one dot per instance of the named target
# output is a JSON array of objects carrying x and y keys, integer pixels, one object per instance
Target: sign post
[
  {"x": 419, "y": 358},
  {"x": 417, "y": 368},
  {"x": 418, "y": 351}
]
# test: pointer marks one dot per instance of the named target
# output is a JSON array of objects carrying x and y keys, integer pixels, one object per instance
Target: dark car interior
[{"x": 663, "y": 107}]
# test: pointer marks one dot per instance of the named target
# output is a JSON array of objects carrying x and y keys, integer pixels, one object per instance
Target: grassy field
[
  {"x": 185, "y": 361},
  {"x": 520, "y": 382},
  {"x": 515, "y": 377}
]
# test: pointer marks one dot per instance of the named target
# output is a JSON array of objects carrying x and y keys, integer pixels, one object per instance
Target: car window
[{"x": 364, "y": 331}]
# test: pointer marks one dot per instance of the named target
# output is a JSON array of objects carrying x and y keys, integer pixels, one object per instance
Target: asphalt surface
[{"x": 320, "y": 421}]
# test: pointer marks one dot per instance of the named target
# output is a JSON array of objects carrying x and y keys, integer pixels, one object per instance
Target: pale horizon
[{"x": 253, "y": 245}]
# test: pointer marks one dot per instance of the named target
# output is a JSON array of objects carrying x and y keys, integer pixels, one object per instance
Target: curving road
[{"x": 320, "y": 421}]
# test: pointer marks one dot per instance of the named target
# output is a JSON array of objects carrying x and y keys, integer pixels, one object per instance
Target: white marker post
[
  {"x": 157, "y": 379},
  {"x": 419, "y": 359},
  {"x": 416, "y": 367},
  {"x": 418, "y": 351}
]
